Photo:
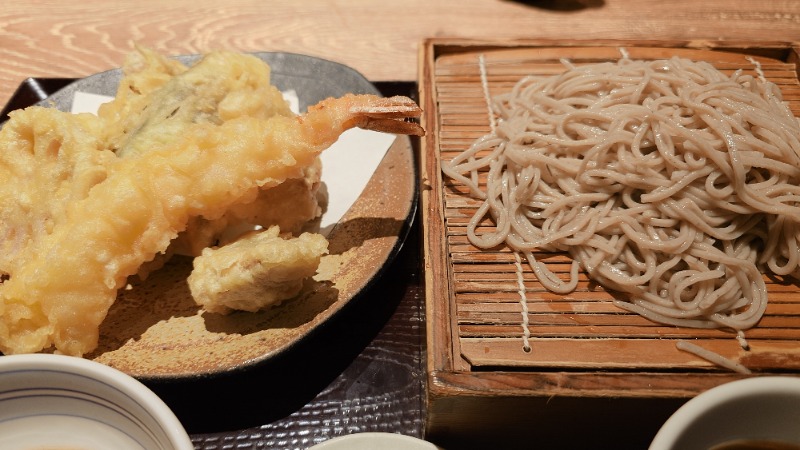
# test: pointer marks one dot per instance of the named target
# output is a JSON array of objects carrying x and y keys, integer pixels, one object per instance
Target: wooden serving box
[{"x": 596, "y": 376}]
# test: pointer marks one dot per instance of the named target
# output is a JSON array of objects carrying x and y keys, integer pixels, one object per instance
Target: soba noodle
[{"x": 666, "y": 180}]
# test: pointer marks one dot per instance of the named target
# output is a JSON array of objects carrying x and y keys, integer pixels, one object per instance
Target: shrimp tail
[{"x": 385, "y": 114}]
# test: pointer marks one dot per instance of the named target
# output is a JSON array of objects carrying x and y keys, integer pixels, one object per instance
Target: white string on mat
[
  {"x": 757, "y": 65},
  {"x": 523, "y": 298},
  {"x": 486, "y": 96}
]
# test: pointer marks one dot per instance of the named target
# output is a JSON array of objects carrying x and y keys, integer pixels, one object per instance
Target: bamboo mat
[{"x": 583, "y": 329}]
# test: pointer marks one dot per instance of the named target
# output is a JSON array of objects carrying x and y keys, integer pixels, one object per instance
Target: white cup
[
  {"x": 58, "y": 402},
  {"x": 755, "y": 409},
  {"x": 375, "y": 441}
]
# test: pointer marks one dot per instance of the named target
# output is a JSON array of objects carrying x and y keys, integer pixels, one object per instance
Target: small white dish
[
  {"x": 755, "y": 409},
  {"x": 62, "y": 402},
  {"x": 375, "y": 441}
]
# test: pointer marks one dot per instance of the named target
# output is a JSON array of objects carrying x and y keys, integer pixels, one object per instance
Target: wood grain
[{"x": 380, "y": 39}]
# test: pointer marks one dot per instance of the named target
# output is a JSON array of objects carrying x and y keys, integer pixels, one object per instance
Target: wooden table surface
[
  {"x": 381, "y": 39},
  {"x": 60, "y": 38}
]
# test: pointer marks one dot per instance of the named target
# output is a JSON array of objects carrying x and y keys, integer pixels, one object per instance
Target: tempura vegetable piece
[
  {"x": 255, "y": 272},
  {"x": 145, "y": 72},
  {"x": 47, "y": 161},
  {"x": 157, "y": 98},
  {"x": 291, "y": 206},
  {"x": 59, "y": 294}
]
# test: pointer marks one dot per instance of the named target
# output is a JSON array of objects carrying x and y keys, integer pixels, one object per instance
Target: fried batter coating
[
  {"x": 62, "y": 281},
  {"x": 47, "y": 161},
  {"x": 158, "y": 94},
  {"x": 145, "y": 72},
  {"x": 257, "y": 271},
  {"x": 291, "y": 206}
]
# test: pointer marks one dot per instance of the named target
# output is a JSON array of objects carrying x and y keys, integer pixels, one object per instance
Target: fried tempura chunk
[
  {"x": 145, "y": 71},
  {"x": 47, "y": 161},
  {"x": 291, "y": 206},
  {"x": 255, "y": 272},
  {"x": 58, "y": 293},
  {"x": 158, "y": 95}
]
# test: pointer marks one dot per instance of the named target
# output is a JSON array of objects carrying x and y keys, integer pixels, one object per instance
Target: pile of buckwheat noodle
[{"x": 667, "y": 180}]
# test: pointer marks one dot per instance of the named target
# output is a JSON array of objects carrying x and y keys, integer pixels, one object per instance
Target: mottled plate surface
[{"x": 156, "y": 331}]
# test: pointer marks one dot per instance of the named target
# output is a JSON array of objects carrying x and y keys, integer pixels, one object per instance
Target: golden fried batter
[
  {"x": 67, "y": 262},
  {"x": 47, "y": 161},
  {"x": 158, "y": 97},
  {"x": 259, "y": 270},
  {"x": 291, "y": 206},
  {"x": 158, "y": 94}
]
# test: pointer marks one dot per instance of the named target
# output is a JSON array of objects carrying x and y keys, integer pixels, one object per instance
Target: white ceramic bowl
[
  {"x": 375, "y": 441},
  {"x": 54, "y": 402},
  {"x": 760, "y": 408}
]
